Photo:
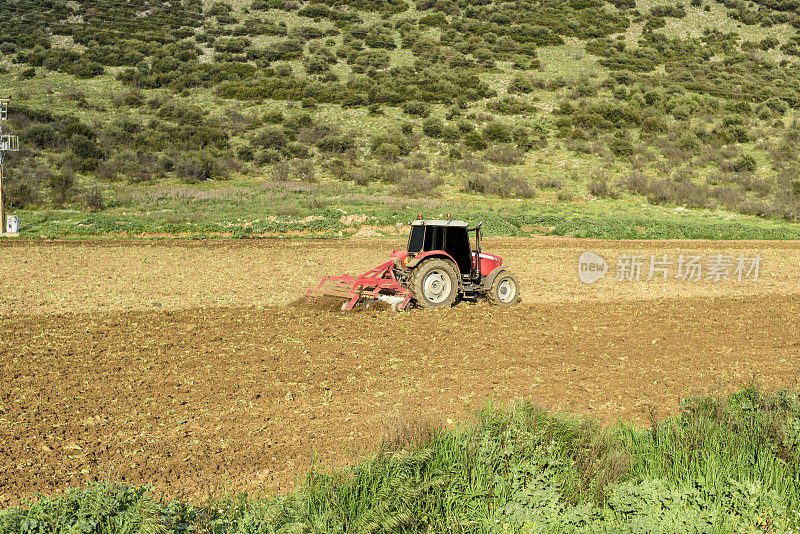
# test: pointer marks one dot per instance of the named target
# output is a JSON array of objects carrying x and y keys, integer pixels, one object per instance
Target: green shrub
[
  {"x": 304, "y": 170},
  {"x": 316, "y": 65},
  {"x": 502, "y": 184},
  {"x": 433, "y": 127},
  {"x": 549, "y": 182},
  {"x": 689, "y": 141},
  {"x": 315, "y": 11},
  {"x": 41, "y": 135},
  {"x": 636, "y": 182},
  {"x": 465, "y": 126},
  {"x": 601, "y": 189},
  {"x": 419, "y": 184},
  {"x": 388, "y": 151},
  {"x": 655, "y": 124},
  {"x": 390, "y": 138},
  {"x": 510, "y": 105},
  {"x": 525, "y": 63},
  {"x": 133, "y": 99},
  {"x": 85, "y": 148},
  {"x": 686, "y": 193},
  {"x": 380, "y": 37},
  {"x": 745, "y": 163},
  {"x": 777, "y": 105},
  {"x": 451, "y": 133},
  {"x": 219, "y": 8},
  {"x": 62, "y": 187},
  {"x": 654, "y": 23},
  {"x": 270, "y": 137},
  {"x": 363, "y": 61},
  {"x": 739, "y": 106},
  {"x": 390, "y": 174},
  {"x": 416, "y": 108},
  {"x": 354, "y": 100},
  {"x": 768, "y": 43},
  {"x": 268, "y": 156},
  {"x": 504, "y": 155},
  {"x": 336, "y": 143},
  {"x": 195, "y": 167},
  {"x": 681, "y": 113},
  {"x": 498, "y": 132},
  {"x": 246, "y": 153},
  {"x": 729, "y": 196},
  {"x": 520, "y": 84},
  {"x": 284, "y": 70},
  {"x": 93, "y": 199},
  {"x": 621, "y": 147},
  {"x": 22, "y": 194},
  {"x": 274, "y": 116},
  {"x": 298, "y": 150},
  {"x": 475, "y": 141},
  {"x": 232, "y": 45}
]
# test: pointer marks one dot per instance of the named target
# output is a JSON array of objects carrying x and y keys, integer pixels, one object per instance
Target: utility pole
[{"x": 8, "y": 143}]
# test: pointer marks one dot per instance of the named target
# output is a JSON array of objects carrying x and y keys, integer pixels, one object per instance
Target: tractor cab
[{"x": 453, "y": 239}]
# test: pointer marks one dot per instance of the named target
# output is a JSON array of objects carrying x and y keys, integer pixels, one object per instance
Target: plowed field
[{"x": 183, "y": 364}]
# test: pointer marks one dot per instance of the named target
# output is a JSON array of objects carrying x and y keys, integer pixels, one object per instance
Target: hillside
[{"x": 578, "y": 117}]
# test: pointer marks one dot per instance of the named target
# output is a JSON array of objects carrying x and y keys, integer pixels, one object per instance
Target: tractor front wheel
[
  {"x": 434, "y": 283},
  {"x": 504, "y": 290}
]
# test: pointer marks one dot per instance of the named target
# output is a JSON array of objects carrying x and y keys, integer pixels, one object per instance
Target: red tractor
[{"x": 439, "y": 266}]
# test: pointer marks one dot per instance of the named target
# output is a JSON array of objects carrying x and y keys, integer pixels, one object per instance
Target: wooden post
[{"x": 2, "y": 200}]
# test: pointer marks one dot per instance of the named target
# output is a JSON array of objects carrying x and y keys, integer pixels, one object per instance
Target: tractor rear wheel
[
  {"x": 434, "y": 283},
  {"x": 504, "y": 290}
]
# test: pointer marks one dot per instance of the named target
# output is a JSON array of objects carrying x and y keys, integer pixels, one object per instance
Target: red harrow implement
[
  {"x": 378, "y": 283},
  {"x": 440, "y": 265}
]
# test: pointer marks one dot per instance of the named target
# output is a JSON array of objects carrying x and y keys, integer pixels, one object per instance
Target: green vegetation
[
  {"x": 240, "y": 208},
  {"x": 651, "y": 103},
  {"x": 721, "y": 465}
]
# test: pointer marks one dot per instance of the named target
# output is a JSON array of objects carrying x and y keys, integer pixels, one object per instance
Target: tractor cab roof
[{"x": 428, "y": 222}]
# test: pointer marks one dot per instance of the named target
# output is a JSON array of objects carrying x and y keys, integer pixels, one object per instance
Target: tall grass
[{"x": 721, "y": 465}]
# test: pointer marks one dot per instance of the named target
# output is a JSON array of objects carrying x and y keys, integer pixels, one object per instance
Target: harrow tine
[{"x": 376, "y": 283}]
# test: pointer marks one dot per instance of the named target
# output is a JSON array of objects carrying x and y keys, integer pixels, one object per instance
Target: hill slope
[{"x": 579, "y": 107}]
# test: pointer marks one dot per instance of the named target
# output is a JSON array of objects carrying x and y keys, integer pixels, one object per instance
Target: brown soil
[{"x": 180, "y": 365}]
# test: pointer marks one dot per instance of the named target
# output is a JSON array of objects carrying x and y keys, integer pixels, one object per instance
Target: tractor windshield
[
  {"x": 425, "y": 238},
  {"x": 416, "y": 239}
]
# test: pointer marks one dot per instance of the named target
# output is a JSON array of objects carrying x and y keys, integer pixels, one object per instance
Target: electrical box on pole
[{"x": 8, "y": 143}]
